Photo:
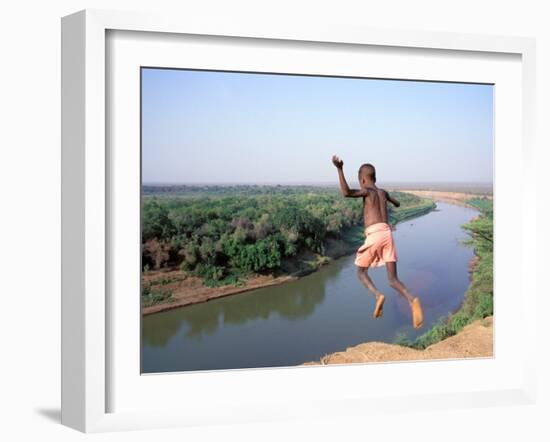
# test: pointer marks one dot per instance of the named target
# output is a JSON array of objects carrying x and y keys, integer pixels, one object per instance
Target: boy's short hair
[{"x": 368, "y": 170}]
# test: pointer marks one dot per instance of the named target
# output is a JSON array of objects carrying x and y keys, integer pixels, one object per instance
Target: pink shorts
[{"x": 378, "y": 248}]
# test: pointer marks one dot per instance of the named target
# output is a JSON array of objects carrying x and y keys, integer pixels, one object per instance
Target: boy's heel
[
  {"x": 378, "y": 309},
  {"x": 417, "y": 314}
]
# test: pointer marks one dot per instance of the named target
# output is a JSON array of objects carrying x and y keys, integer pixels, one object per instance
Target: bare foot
[
  {"x": 417, "y": 315},
  {"x": 378, "y": 312}
]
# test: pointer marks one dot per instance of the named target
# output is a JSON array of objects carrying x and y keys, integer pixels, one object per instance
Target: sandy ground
[
  {"x": 459, "y": 198},
  {"x": 192, "y": 291},
  {"x": 475, "y": 340}
]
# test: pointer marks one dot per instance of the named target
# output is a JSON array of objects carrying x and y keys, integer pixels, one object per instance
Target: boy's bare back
[
  {"x": 375, "y": 206},
  {"x": 375, "y": 200}
]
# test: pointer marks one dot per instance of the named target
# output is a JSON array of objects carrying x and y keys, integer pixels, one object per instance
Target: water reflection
[{"x": 292, "y": 301}]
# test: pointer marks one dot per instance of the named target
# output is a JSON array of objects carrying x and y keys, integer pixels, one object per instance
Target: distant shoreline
[{"x": 458, "y": 198}]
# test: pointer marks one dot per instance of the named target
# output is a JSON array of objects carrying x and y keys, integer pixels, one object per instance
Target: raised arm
[
  {"x": 392, "y": 200},
  {"x": 346, "y": 191}
]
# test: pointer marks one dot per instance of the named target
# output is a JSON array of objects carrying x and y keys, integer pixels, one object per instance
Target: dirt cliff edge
[{"x": 474, "y": 340}]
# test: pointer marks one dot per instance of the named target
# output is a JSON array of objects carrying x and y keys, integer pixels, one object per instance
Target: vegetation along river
[{"x": 324, "y": 312}]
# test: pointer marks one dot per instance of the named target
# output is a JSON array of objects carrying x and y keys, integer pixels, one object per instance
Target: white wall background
[{"x": 30, "y": 213}]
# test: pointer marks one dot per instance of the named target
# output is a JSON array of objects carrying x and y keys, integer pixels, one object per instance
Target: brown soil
[
  {"x": 474, "y": 341},
  {"x": 472, "y": 264},
  {"x": 190, "y": 290},
  {"x": 459, "y": 198}
]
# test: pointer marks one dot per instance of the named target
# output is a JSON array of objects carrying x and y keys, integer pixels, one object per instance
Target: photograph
[{"x": 297, "y": 220}]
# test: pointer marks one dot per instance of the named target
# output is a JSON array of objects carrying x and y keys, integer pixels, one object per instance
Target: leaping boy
[{"x": 378, "y": 248}]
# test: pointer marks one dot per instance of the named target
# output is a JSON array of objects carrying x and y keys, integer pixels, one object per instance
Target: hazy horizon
[
  {"x": 478, "y": 188},
  {"x": 315, "y": 183},
  {"x": 294, "y": 183},
  {"x": 203, "y": 127}
]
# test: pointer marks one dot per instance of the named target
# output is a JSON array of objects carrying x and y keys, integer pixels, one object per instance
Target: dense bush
[{"x": 221, "y": 233}]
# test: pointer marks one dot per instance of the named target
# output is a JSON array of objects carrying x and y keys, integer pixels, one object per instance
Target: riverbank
[
  {"x": 181, "y": 289},
  {"x": 187, "y": 290},
  {"x": 191, "y": 290},
  {"x": 478, "y": 299},
  {"x": 473, "y": 341}
]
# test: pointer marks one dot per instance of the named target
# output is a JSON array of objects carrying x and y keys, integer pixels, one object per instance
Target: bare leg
[
  {"x": 363, "y": 275},
  {"x": 396, "y": 284}
]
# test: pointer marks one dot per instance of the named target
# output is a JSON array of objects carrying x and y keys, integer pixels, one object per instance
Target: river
[{"x": 324, "y": 312}]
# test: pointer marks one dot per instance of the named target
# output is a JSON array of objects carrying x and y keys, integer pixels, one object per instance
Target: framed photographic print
[{"x": 252, "y": 212}]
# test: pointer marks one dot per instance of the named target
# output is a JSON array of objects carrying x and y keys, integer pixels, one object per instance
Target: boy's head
[{"x": 367, "y": 173}]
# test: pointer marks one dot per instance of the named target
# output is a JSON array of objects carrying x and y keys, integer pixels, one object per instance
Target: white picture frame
[{"x": 86, "y": 356}]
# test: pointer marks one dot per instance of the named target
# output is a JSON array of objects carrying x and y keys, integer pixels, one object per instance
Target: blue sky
[{"x": 221, "y": 127}]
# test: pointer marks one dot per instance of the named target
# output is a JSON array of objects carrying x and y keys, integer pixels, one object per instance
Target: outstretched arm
[
  {"x": 346, "y": 191},
  {"x": 392, "y": 200}
]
